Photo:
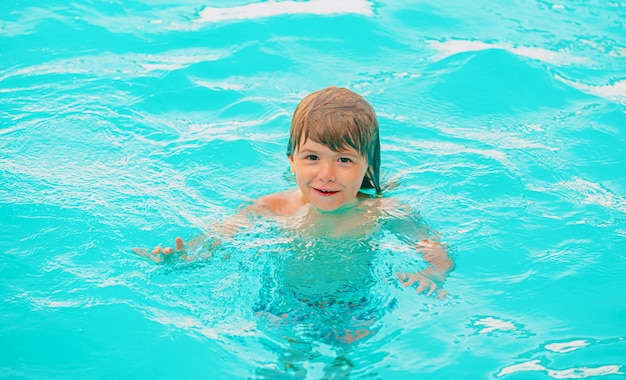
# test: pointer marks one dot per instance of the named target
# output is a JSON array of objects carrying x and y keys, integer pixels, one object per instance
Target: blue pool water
[{"x": 127, "y": 123}]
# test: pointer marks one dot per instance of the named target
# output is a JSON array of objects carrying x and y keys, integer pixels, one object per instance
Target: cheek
[
  {"x": 356, "y": 179},
  {"x": 300, "y": 170},
  {"x": 361, "y": 175},
  {"x": 301, "y": 178}
]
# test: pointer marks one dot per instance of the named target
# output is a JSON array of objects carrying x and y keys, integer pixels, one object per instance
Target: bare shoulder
[
  {"x": 391, "y": 204},
  {"x": 283, "y": 203},
  {"x": 384, "y": 205}
]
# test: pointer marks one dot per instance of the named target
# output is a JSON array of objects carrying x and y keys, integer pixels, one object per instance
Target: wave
[
  {"x": 452, "y": 47},
  {"x": 496, "y": 81},
  {"x": 614, "y": 92}
]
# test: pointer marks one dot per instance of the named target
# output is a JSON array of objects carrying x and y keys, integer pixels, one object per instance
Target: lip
[{"x": 325, "y": 192}]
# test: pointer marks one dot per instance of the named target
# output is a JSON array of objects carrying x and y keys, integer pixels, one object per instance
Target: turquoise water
[{"x": 126, "y": 124}]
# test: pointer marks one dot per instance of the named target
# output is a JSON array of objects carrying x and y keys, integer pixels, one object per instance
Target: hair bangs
[{"x": 337, "y": 132}]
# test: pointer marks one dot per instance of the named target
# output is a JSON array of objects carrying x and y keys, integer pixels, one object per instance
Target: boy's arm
[
  {"x": 431, "y": 279},
  {"x": 210, "y": 239},
  {"x": 202, "y": 246},
  {"x": 409, "y": 227}
]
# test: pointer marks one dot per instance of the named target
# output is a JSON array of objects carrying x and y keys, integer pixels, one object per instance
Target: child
[{"x": 334, "y": 154}]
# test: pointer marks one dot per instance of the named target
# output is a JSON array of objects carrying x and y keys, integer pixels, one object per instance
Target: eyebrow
[
  {"x": 347, "y": 152},
  {"x": 301, "y": 151}
]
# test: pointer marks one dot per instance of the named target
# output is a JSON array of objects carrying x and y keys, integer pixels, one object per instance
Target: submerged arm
[
  {"x": 204, "y": 245},
  {"x": 411, "y": 229}
]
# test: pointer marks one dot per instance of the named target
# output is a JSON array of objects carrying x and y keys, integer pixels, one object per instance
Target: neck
[{"x": 343, "y": 208}]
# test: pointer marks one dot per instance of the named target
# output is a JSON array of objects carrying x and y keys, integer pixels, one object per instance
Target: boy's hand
[
  {"x": 179, "y": 251},
  {"x": 431, "y": 279},
  {"x": 180, "y": 246},
  {"x": 160, "y": 254},
  {"x": 424, "y": 284}
]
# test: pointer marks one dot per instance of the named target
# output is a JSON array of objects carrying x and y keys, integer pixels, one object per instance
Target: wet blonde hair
[{"x": 339, "y": 118}]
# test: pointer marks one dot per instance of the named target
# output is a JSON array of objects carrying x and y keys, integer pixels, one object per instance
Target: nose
[{"x": 326, "y": 172}]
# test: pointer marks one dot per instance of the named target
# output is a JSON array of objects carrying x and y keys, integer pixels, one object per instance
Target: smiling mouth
[{"x": 325, "y": 193}]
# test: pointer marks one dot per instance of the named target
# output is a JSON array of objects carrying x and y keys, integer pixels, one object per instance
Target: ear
[{"x": 291, "y": 166}]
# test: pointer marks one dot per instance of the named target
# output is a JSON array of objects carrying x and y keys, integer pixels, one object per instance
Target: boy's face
[{"x": 326, "y": 178}]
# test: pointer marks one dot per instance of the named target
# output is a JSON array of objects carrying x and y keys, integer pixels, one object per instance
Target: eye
[
  {"x": 311, "y": 157},
  {"x": 345, "y": 160}
]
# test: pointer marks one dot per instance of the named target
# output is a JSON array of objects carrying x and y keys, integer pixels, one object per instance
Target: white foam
[
  {"x": 567, "y": 346},
  {"x": 593, "y": 193},
  {"x": 492, "y": 324},
  {"x": 532, "y": 365},
  {"x": 585, "y": 372},
  {"x": 279, "y": 8},
  {"x": 613, "y": 92},
  {"x": 451, "y": 47},
  {"x": 570, "y": 373}
]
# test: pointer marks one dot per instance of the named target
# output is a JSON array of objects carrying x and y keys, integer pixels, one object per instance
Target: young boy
[{"x": 334, "y": 154}]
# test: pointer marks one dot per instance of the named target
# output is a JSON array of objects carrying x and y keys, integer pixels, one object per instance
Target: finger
[
  {"x": 157, "y": 250},
  {"x": 442, "y": 294},
  {"x": 405, "y": 279},
  {"x": 423, "y": 284},
  {"x": 168, "y": 250},
  {"x": 180, "y": 244},
  {"x": 433, "y": 287}
]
